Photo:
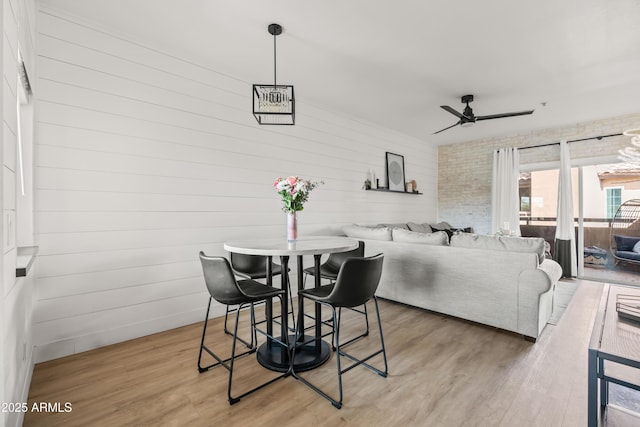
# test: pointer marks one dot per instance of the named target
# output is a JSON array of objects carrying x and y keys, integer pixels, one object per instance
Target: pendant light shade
[{"x": 274, "y": 104}]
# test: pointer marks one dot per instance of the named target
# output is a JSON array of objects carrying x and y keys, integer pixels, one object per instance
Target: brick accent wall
[{"x": 465, "y": 169}]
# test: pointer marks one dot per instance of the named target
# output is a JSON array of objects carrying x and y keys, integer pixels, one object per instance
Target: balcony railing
[{"x": 541, "y": 220}]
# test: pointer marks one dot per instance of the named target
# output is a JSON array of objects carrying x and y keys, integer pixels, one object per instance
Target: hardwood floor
[{"x": 442, "y": 372}]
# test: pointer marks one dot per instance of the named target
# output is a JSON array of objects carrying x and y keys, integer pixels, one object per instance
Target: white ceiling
[{"x": 396, "y": 62}]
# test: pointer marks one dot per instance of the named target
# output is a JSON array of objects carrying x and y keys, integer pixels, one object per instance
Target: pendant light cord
[{"x": 274, "y": 60}]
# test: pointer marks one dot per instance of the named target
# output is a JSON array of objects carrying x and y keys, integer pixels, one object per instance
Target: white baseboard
[{"x": 79, "y": 344}]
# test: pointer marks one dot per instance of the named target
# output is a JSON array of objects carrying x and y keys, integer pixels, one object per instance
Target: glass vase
[{"x": 292, "y": 227}]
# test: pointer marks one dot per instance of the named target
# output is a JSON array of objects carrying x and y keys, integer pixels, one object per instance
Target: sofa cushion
[
  {"x": 362, "y": 232},
  {"x": 500, "y": 243},
  {"x": 628, "y": 255},
  {"x": 401, "y": 225},
  {"x": 439, "y": 239},
  {"x": 420, "y": 228},
  {"x": 625, "y": 243}
]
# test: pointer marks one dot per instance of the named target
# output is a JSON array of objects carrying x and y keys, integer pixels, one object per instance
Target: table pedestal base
[{"x": 274, "y": 357}]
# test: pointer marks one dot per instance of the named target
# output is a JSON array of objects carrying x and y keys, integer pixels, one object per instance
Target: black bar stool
[
  {"x": 254, "y": 267},
  {"x": 329, "y": 270},
  {"x": 355, "y": 285},
  {"x": 224, "y": 288}
]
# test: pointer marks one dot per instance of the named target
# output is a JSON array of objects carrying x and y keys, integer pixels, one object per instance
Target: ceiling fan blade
[
  {"x": 442, "y": 130},
  {"x": 499, "y": 116},
  {"x": 452, "y": 111}
]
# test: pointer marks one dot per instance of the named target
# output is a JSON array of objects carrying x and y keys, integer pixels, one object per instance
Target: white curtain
[
  {"x": 505, "y": 197},
  {"x": 565, "y": 244}
]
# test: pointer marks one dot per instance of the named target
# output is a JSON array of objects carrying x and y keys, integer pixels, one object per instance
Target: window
[
  {"x": 614, "y": 199},
  {"x": 24, "y": 158}
]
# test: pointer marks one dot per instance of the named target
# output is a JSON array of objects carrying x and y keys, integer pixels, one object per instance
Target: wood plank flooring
[{"x": 442, "y": 372}]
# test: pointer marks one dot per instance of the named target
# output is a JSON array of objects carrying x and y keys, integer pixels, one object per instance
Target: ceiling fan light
[{"x": 467, "y": 118}]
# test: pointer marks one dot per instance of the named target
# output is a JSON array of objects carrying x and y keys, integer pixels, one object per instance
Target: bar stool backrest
[
  {"x": 357, "y": 281},
  {"x": 220, "y": 280},
  {"x": 336, "y": 260},
  {"x": 253, "y": 265}
]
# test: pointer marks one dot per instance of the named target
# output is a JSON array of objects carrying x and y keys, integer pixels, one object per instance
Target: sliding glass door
[
  {"x": 604, "y": 188},
  {"x": 598, "y": 191}
]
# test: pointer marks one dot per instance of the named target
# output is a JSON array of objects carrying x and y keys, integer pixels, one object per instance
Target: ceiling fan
[{"x": 467, "y": 118}]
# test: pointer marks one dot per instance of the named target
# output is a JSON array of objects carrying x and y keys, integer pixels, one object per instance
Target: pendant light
[{"x": 274, "y": 104}]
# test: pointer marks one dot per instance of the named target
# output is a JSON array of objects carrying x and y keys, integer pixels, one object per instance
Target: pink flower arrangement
[{"x": 294, "y": 192}]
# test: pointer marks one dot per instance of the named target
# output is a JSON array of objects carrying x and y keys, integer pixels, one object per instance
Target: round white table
[{"x": 271, "y": 355}]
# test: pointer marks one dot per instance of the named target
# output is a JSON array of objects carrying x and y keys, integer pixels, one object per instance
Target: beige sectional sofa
[{"x": 503, "y": 282}]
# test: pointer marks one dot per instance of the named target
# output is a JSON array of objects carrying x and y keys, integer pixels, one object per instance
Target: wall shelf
[
  {"x": 25, "y": 257},
  {"x": 417, "y": 193}
]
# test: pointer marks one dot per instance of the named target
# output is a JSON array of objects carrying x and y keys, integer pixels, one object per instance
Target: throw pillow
[
  {"x": 420, "y": 228},
  {"x": 451, "y": 231},
  {"x": 401, "y": 225},
  {"x": 547, "y": 250},
  {"x": 625, "y": 243},
  {"x": 440, "y": 238},
  {"x": 442, "y": 225},
  {"x": 500, "y": 243},
  {"x": 361, "y": 232},
  {"x": 448, "y": 231},
  {"x": 636, "y": 247}
]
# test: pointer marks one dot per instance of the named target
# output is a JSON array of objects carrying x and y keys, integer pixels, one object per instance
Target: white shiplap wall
[
  {"x": 16, "y": 294},
  {"x": 144, "y": 158}
]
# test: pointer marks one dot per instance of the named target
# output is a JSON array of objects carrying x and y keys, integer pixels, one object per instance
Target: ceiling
[{"x": 395, "y": 62}]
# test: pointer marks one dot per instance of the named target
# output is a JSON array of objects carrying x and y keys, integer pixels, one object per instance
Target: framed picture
[{"x": 395, "y": 172}]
